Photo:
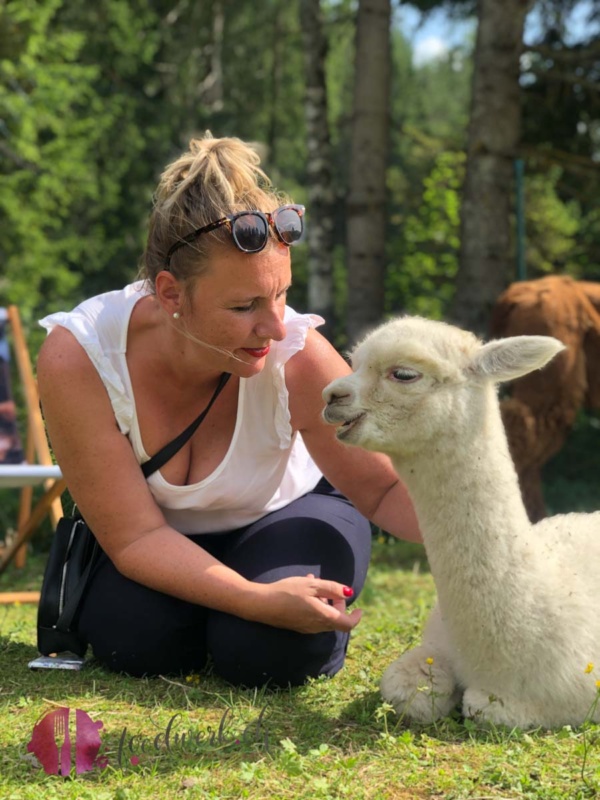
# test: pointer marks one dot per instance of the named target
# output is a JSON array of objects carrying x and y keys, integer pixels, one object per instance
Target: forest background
[
  {"x": 429, "y": 186},
  {"x": 388, "y": 154}
]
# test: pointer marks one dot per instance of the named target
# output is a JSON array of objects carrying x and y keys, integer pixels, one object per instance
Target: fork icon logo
[{"x": 62, "y": 733}]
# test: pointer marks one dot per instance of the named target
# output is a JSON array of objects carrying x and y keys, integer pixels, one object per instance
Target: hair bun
[
  {"x": 215, "y": 177},
  {"x": 206, "y": 144}
]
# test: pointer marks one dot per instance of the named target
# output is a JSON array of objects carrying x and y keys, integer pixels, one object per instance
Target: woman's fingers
[
  {"x": 332, "y": 590},
  {"x": 341, "y": 620},
  {"x": 310, "y": 605},
  {"x": 335, "y": 611}
]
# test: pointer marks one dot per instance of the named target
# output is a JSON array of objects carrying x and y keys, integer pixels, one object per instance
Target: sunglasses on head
[{"x": 250, "y": 229}]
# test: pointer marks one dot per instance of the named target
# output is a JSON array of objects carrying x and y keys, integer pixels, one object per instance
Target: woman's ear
[{"x": 169, "y": 292}]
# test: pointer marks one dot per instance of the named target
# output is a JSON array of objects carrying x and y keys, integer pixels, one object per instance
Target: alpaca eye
[{"x": 405, "y": 375}]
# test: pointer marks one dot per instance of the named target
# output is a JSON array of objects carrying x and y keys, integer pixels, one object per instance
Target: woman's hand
[{"x": 305, "y": 604}]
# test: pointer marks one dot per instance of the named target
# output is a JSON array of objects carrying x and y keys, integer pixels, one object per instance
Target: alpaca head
[{"x": 417, "y": 381}]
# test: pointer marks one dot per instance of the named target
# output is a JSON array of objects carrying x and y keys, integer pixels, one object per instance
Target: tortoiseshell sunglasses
[{"x": 250, "y": 229}]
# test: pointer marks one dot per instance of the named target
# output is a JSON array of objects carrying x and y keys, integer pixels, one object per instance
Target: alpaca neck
[
  {"x": 467, "y": 498},
  {"x": 476, "y": 534}
]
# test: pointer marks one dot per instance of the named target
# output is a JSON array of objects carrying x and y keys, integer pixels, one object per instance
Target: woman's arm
[
  {"x": 108, "y": 486},
  {"x": 367, "y": 479}
]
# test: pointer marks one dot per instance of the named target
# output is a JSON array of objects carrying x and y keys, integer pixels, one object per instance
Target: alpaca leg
[
  {"x": 421, "y": 683},
  {"x": 485, "y": 707}
]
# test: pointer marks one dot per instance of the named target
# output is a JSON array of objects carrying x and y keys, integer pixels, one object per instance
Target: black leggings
[{"x": 140, "y": 631}]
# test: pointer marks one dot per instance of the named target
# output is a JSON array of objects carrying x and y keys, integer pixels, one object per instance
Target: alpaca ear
[{"x": 510, "y": 358}]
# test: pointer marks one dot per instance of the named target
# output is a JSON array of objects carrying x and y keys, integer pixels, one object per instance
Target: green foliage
[
  {"x": 572, "y": 477},
  {"x": 70, "y": 193},
  {"x": 551, "y": 228},
  {"x": 421, "y": 273},
  {"x": 122, "y": 44},
  {"x": 46, "y": 169},
  {"x": 586, "y": 245},
  {"x": 95, "y": 100},
  {"x": 560, "y": 84},
  {"x": 442, "y": 89}
]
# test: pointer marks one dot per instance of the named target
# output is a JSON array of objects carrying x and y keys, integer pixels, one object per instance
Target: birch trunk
[
  {"x": 487, "y": 258},
  {"x": 321, "y": 192},
  {"x": 211, "y": 89},
  {"x": 366, "y": 202}
]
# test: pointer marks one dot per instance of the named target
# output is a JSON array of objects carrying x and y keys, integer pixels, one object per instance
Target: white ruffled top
[{"x": 266, "y": 466}]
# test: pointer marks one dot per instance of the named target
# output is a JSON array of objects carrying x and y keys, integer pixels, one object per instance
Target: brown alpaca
[{"x": 542, "y": 406}]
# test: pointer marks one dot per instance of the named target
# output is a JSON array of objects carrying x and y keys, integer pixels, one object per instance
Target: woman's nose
[{"x": 271, "y": 326}]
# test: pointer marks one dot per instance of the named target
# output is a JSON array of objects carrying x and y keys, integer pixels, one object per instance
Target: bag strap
[
  {"x": 156, "y": 462},
  {"x": 169, "y": 450},
  {"x": 71, "y": 605}
]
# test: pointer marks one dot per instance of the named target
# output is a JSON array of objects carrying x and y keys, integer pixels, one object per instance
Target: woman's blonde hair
[{"x": 214, "y": 178}]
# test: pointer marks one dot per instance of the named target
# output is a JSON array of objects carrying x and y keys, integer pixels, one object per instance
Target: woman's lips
[{"x": 256, "y": 352}]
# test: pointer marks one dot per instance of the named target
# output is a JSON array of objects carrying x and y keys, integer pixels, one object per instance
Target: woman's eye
[
  {"x": 405, "y": 375},
  {"x": 242, "y": 309}
]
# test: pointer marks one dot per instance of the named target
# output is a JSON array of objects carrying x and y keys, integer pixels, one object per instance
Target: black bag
[{"x": 74, "y": 553}]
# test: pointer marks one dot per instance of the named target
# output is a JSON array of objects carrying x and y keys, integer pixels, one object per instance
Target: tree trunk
[
  {"x": 277, "y": 56},
  {"x": 321, "y": 194},
  {"x": 487, "y": 260},
  {"x": 213, "y": 84},
  {"x": 366, "y": 203}
]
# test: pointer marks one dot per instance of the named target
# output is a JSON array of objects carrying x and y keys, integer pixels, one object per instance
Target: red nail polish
[{"x": 348, "y": 592}]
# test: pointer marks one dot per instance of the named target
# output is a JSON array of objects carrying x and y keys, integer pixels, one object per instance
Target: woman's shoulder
[
  {"x": 65, "y": 372},
  {"x": 61, "y": 353},
  {"x": 90, "y": 342},
  {"x": 318, "y": 360},
  {"x": 100, "y": 315}
]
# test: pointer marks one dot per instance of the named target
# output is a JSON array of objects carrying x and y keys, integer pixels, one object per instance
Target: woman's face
[{"x": 238, "y": 305}]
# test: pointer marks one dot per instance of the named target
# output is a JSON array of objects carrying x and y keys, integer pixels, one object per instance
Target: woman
[{"x": 271, "y": 552}]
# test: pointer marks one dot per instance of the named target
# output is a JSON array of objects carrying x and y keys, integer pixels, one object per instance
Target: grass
[{"x": 329, "y": 739}]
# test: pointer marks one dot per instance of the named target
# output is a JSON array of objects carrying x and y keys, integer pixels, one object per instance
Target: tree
[
  {"x": 430, "y": 113},
  {"x": 422, "y": 271},
  {"x": 486, "y": 259},
  {"x": 76, "y": 172},
  {"x": 321, "y": 194},
  {"x": 46, "y": 155},
  {"x": 366, "y": 203},
  {"x": 552, "y": 226},
  {"x": 561, "y": 108},
  {"x": 123, "y": 40}
]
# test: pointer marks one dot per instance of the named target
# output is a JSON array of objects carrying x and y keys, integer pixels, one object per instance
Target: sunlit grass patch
[{"x": 328, "y": 739}]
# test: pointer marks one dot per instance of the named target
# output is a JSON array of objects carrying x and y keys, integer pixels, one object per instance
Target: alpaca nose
[{"x": 337, "y": 393}]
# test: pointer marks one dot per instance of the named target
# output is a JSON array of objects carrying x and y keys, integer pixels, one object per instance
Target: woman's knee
[
  {"x": 162, "y": 654},
  {"x": 297, "y": 546},
  {"x": 253, "y": 654},
  {"x": 140, "y": 631}
]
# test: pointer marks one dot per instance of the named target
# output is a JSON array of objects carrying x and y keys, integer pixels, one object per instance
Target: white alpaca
[{"x": 518, "y": 614}]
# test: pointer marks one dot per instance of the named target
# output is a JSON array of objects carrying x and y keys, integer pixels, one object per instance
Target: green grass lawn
[{"x": 329, "y": 739}]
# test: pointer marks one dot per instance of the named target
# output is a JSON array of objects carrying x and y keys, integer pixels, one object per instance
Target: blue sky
[{"x": 434, "y": 35}]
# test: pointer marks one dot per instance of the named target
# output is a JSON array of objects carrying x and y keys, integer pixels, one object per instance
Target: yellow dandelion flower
[
  {"x": 597, "y": 684},
  {"x": 589, "y": 668},
  {"x": 17, "y": 604},
  {"x": 429, "y": 661}
]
